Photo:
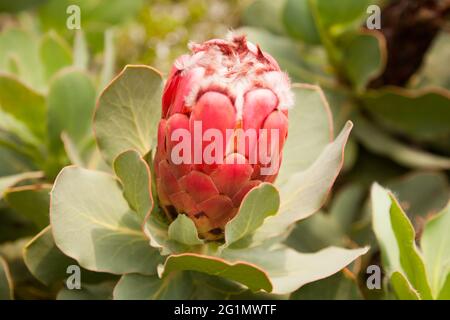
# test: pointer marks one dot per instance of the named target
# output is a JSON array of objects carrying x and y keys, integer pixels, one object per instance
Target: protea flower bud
[{"x": 224, "y": 123}]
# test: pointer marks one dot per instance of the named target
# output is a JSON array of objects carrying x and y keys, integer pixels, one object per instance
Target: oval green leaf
[
  {"x": 93, "y": 224},
  {"x": 260, "y": 203},
  {"x": 128, "y": 112},
  {"x": 71, "y": 101},
  {"x": 134, "y": 174},
  {"x": 183, "y": 230},
  {"x": 32, "y": 202}
]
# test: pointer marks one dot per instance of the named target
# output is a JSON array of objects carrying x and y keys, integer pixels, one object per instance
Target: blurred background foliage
[{"x": 393, "y": 83}]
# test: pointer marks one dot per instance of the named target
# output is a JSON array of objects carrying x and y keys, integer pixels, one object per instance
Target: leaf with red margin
[
  {"x": 289, "y": 270},
  {"x": 93, "y": 224},
  {"x": 260, "y": 203},
  {"x": 31, "y": 201},
  {"x": 9, "y": 181},
  {"x": 243, "y": 272},
  {"x": 364, "y": 57}
]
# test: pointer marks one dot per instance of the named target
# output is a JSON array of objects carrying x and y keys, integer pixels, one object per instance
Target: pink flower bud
[{"x": 224, "y": 124}]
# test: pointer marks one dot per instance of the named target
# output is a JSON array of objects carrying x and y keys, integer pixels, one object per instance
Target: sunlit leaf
[
  {"x": 93, "y": 224},
  {"x": 128, "y": 112},
  {"x": 435, "y": 244}
]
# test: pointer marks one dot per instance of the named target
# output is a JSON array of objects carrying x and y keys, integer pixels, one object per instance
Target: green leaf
[
  {"x": 336, "y": 287},
  {"x": 12, "y": 162},
  {"x": 242, "y": 272},
  {"x": 111, "y": 12},
  {"x": 9, "y": 181},
  {"x": 306, "y": 191},
  {"x": 13, "y": 226},
  {"x": 316, "y": 233},
  {"x": 80, "y": 51},
  {"x": 32, "y": 202},
  {"x": 183, "y": 230},
  {"x": 396, "y": 237},
  {"x": 381, "y": 222},
  {"x": 402, "y": 287},
  {"x": 264, "y": 14},
  {"x": 23, "y": 103},
  {"x": 310, "y": 130},
  {"x": 23, "y": 49},
  {"x": 177, "y": 286},
  {"x": 71, "y": 150},
  {"x": 49, "y": 265},
  {"x": 109, "y": 58},
  {"x": 11, "y": 127},
  {"x": 6, "y": 285},
  {"x": 128, "y": 112},
  {"x": 16, "y": 6},
  {"x": 445, "y": 291},
  {"x": 299, "y": 21},
  {"x": 44, "y": 260},
  {"x": 288, "y": 269},
  {"x": 341, "y": 11},
  {"x": 346, "y": 205},
  {"x": 100, "y": 291},
  {"x": 364, "y": 57},
  {"x": 156, "y": 228},
  {"x": 381, "y": 143},
  {"x": 71, "y": 101},
  {"x": 55, "y": 54},
  {"x": 421, "y": 114},
  {"x": 431, "y": 72},
  {"x": 93, "y": 224},
  {"x": 435, "y": 244},
  {"x": 421, "y": 194},
  {"x": 135, "y": 177},
  {"x": 95, "y": 16},
  {"x": 304, "y": 63},
  {"x": 410, "y": 258},
  {"x": 260, "y": 203},
  {"x": 207, "y": 284}
]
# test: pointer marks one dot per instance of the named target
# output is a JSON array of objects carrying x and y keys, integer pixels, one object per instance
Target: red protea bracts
[{"x": 224, "y": 123}]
